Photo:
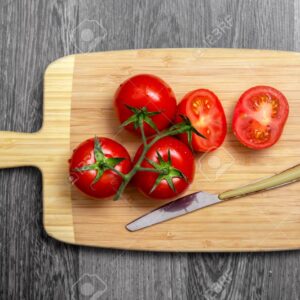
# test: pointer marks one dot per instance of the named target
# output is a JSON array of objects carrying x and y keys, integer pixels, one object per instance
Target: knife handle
[{"x": 286, "y": 177}]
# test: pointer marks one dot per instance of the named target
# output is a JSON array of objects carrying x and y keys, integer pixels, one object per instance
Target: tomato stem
[
  {"x": 143, "y": 134},
  {"x": 150, "y": 170},
  {"x": 174, "y": 130}
]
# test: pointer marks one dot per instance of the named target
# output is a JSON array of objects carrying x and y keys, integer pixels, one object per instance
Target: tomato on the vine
[
  {"x": 259, "y": 117},
  {"x": 168, "y": 169},
  {"x": 205, "y": 112},
  {"x": 145, "y": 98},
  {"x": 97, "y": 165}
]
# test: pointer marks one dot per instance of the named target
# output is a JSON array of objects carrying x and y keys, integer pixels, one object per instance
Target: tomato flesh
[
  {"x": 181, "y": 159},
  {"x": 109, "y": 183},
  {"x": 259, "y": 117},
  {"x": 206, "y": 113},
  {"x": 147, "y": 91}
]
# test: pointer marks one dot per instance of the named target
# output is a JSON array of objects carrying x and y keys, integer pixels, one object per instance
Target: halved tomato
[
  {"x": 259, "y": 117},
  {"x": 206, "y": 114}
]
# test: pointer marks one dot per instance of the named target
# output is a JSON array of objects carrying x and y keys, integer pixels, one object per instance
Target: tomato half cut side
[
  {"x": 206, "y": 113},
  {"x": 259, "y": 117}
]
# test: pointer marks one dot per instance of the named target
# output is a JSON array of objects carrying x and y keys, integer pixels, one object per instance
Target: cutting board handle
[
  {"x": 286, "y": 177},
  {"x": 17, "y": 148}
]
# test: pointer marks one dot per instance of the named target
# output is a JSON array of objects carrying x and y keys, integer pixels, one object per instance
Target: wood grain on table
[{"x": 34, "y": 33}]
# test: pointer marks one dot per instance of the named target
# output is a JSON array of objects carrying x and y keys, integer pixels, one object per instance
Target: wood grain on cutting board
[
  {"x": 49, "y": 149},
  {"x": 270, "y": 220},
  {"x": 81, "y": 106}
]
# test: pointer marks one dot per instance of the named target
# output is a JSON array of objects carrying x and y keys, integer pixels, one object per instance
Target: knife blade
[
  {"x": 174, "y": 209},
  {"x": 195, "y": 201}
]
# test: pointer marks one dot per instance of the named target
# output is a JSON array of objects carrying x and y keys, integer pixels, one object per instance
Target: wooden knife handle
[{"x": 286, "y": 177}]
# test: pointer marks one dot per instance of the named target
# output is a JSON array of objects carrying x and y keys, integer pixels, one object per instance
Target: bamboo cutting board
[{"x": 78, "y": 93}]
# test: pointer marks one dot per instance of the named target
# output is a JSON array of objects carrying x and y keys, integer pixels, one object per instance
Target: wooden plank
[{"x": 32, "y": 265}]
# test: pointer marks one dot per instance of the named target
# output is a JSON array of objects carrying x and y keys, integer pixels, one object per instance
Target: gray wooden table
[{"x": 34, "y": 33}]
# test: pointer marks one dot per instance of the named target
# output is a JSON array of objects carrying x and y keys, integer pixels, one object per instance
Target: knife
[{"x": 200, "y": 200}]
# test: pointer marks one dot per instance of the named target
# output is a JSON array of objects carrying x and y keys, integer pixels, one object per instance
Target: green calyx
[
  {"x": 140, "y": 115},
  {"x": 102, "y": 163},
  {"x": 166, "y": 170},
  {"x": 186, "y": 127}
]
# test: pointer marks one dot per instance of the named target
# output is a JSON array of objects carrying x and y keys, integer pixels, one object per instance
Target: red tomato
[
  {"x": 259, "y": 117},
  {"x": 84, "y": 167},
  {"x": 150, "y": 92},
  {"x": 206, "y": 114},
  {"x": 176, "y": 163}
]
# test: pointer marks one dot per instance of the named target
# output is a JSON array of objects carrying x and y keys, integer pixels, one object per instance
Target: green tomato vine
[{"x": 139, "y": 118}]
